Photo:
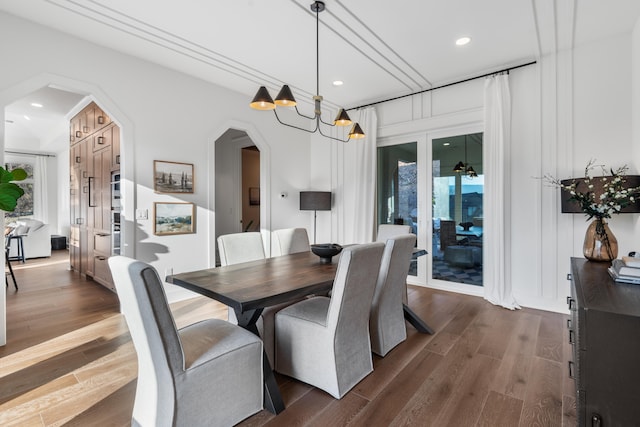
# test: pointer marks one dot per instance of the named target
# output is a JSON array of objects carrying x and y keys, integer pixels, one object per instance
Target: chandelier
[{"x": 263, "y": 100}]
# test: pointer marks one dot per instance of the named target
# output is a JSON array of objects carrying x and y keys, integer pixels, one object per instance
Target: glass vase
[{"x": 599, "y": 242}]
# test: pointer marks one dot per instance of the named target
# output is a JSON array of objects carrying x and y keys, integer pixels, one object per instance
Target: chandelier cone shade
[{"x": 263, "y": 101}]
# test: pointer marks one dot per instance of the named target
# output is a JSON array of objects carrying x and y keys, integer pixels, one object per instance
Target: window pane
[{"x": 458, "y": 188}]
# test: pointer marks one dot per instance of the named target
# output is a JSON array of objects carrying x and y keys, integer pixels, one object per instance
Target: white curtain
[
  {"x": 496, "y": 153},
  {"x": 360, "y": 181},
  {"x": 40, "y": 198}
]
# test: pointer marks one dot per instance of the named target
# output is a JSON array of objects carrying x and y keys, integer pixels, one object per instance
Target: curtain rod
[
  {"x": 29, "y": 154},
  {"x": 445, "y": 85}
]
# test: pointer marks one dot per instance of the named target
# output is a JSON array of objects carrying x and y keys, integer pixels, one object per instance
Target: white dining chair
[
  {"x": 386, "y": 231},
  {"x": 290, "y": 241},
  {"x": 244, "y": 247},
  {"x": 386, "y": 321},
  {"x": 240, "y": 247},
  {"x": 205, "y": 374},
  {"x": 325, "y": 341}
]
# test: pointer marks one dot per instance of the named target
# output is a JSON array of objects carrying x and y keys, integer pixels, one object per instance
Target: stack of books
[{"x": 626, "y": 270}]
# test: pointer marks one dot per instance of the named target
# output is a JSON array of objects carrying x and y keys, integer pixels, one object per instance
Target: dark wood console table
[{"x": 604, "y": 330}]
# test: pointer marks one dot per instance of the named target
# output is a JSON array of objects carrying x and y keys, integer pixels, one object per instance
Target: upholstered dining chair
[
  {"x": 245, "y": 247},
  {"x": 290, "y": 241},
  {"x": 325, "y": 341},
  {"x": 386, "y": 321},
  {"x": 386, "y": 231},
  {"x": 205, "y": 374},
  {"x": 240, "y": 247}
]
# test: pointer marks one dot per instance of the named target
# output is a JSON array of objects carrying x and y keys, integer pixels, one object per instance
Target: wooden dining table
[{"x": 250, "y": 287}]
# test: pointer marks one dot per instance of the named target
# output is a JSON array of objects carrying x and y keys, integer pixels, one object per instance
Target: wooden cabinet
[
  {"x": 604, "y": 330},
  {"x": 95, "y": 144}
]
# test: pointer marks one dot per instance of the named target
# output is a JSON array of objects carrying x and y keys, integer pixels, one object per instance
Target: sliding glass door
[
  {"x": 457, "y": 211},
  {"x": 436, "y": 186}
]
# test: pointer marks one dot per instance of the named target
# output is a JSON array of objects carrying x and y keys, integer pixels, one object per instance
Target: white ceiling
[{"x": 380, "y": 49}]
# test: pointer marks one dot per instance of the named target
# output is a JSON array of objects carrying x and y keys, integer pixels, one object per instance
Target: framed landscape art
[
  {"x": 173, "y": 218},
  {"x": 172, "y": 177}
]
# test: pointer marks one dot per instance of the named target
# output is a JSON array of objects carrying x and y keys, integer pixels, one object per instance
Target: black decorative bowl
[{"x": 326, "y": 251}]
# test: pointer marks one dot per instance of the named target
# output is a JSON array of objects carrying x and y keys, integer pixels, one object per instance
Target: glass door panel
[
  {"x": 458, "y": 188},
  {"x": 398, "y": 187}
]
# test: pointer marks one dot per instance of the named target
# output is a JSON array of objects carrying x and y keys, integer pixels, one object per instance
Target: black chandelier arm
[
  {"x": 317, "y": 128},
  {"x": 332, "y": 137},
  {"x": 328, "y": 124},
  {"x": 302, "y": 115},
  {"x": 294, "y": 126}
]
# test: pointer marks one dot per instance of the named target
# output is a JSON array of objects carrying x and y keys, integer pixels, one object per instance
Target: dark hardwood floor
[{"x": 69, "y": 361}]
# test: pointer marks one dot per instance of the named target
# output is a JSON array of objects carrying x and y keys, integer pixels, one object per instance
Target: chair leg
[{"x": 15, "y": 283}]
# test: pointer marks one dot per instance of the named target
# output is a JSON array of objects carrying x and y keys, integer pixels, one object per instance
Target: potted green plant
[{"x": 10, "y": 192}]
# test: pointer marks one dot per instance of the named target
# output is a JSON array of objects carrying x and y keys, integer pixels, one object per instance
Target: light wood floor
[{"x": 69, "y": 361}]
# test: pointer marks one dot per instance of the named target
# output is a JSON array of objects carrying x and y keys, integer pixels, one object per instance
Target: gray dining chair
[
  {"x": 386, "y": 231},
  {"x": 325, "y": 341},
  {"x": 386, "y": 321},
  {"x": 240, "y": 247},
  {"x": 205, "y": 374},
  {"x": 290, "y": 241}
]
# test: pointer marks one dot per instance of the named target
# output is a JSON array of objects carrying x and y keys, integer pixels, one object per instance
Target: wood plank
[
  {"x": 500, "y": 411},
  {"x": 553, "y": 332},
  {"x": 515, "y": 369},
  {"x": 543, "y": 400}
]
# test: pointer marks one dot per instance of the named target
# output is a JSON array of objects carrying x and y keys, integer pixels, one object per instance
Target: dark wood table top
[{"x": 258, "y": 284}]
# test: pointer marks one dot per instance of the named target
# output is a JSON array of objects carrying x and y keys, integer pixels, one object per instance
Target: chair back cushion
[
  {"x": 386, "y": 231},
  {"x": 387, "y": 326},
  {"x": 153, "y": 331},
  {"x": 352, "y": 291},
  {"x": 240, "y": 247},
  {"x": 290, "y": 241}
]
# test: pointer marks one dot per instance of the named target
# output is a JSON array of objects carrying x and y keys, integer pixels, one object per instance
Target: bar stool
[
  {"x": 8, "y": 262},
  {"x": 20, "y": 247}
]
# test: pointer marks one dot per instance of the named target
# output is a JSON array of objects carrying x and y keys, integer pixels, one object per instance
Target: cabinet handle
[
  {"x": 572, "y": 303},
  {"x": 568, "y": 323},
  {"x": 102, "y": 234},
  {"x": 569, "y": 276},
  {"x": 78, "y": 134},
  {"x": 100, "y": 120},
  {"x": 596, "y": 420},
  {"x": 77, "y": 159},
  {"x": 91, "y": 184},
  {"x": 572, "y": 340},
  {"x": 84, "y": 174},
  {"x": 101, "y": 258},
  {"x": 571, "y": 370},
  {"x": 79, "y": 221},
  {"x": 85, "y": 129},
  {"x": 101, "y": 140},
  {"x": 118, "y": 159}
]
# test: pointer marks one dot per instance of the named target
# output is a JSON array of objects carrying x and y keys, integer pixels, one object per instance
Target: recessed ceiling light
[
  {"x": 26, "y": 117},
  {"x": 338, "y": 83},
  {"x": 36, "y": 104},
  {"x": 463, "y": 40}
]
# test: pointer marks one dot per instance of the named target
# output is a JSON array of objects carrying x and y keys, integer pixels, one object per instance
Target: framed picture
[
  {"x": 174, "y": 218},
  {"x": 254, "y": 196},
  {"x": 172, "y": 177}
]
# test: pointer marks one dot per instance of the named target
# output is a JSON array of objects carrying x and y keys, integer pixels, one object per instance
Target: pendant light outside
[
  {"x": 459, "y": 167},
  {"x": 262, "y": 100}
]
